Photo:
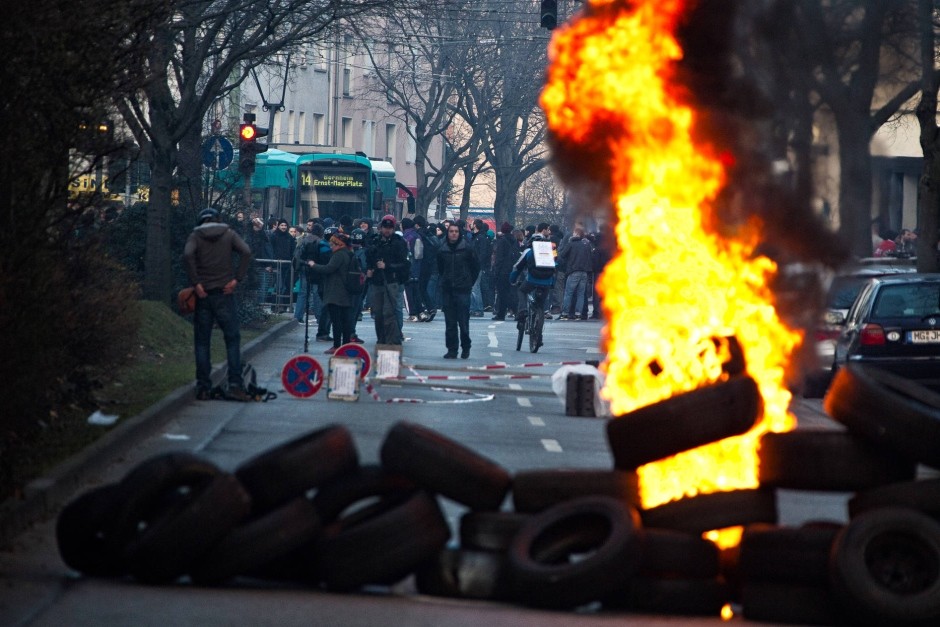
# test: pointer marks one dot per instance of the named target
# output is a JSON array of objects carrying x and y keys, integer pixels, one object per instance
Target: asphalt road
[{"x": 517, "y": 422}]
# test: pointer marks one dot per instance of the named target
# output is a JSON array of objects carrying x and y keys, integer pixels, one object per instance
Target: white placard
[
  {"x": 544, "y": 255},
  {"x": 344, "y": 378},
  {"x": 387, "y": 360}
]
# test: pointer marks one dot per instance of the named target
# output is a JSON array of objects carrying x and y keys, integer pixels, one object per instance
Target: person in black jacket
[
  {"x": 387, "y": 267},
  {"x": 505, "y": 257},
  {"x": 459, "y": 269}
]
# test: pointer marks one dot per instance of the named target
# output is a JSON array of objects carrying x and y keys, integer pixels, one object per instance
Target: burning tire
[
  {"x": 706, "y": 512},
  {"x": 463, "y": 574},
  {"x": 885, "y": 565},
  {"x": 445, "y": 467},
  {"x": 684, "y": 422},
  {"x": 924, "y": 496},
  {"x": 688, "y": 597},
  {"x": 604, "y": 531},
  {"x": 176, "y": 539},
  {"x": 291, "y": 469},
  {"x": 366, "y": 483},
  {"x": 82, "y": 533},
  {"x": 490, "y": 531},
  {"x": 381, "y": 544},
  {"x": 678, "y": 555},
  {"x": 827, "y": 460},
  {"x": 887, "y": 410},
  {"x": 789, "y": 604},
  {"x": 253, "y": 545},
  {"x": 786, "y": 555},
  {"x": 537, "y": 490}
]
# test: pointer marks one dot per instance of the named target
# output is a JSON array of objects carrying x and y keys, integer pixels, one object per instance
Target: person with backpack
[
  {"x": 532, "y": 277},
  {"x": 207, "y": 257},
  {"x": 336, "y": 296},
  {"x": 387, "y": 268}
]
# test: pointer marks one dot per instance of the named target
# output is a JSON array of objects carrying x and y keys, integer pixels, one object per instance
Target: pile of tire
[{"x": 882, "y": 567}]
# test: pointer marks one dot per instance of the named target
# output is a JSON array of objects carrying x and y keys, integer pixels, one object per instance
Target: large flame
[{"x": 675, "y": 286}]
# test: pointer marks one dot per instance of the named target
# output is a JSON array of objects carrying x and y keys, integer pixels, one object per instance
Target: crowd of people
[{"x": 416, "y": 268}]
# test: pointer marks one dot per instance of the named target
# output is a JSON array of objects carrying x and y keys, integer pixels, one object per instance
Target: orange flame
[{"x": 674, "y": 286}]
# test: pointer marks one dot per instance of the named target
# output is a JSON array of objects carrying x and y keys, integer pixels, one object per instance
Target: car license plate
[{"x": 931, "y": 336}]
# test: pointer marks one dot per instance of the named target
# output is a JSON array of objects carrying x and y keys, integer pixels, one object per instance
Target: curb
[{"x": 45, "y": 495}]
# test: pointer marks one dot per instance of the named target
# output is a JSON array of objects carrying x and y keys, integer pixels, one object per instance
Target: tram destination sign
[{"x": 333, "y": 180}]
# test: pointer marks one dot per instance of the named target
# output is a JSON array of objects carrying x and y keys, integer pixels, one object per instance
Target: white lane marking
[
  {"x": 175, "y": 436},
  {"x": 552, "y": 446},
  {"x": 593, "y": 351},
  {"x": 515, "y": 386},
  {"x": 496, "y": 354},
  {"x": 535, "y": 421},
  {"x": 493, "y": 341},
  {"x": 523, "y": 401}
]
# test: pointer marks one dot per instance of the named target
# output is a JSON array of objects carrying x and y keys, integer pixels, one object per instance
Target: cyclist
[{"x": 539, "y": 278}]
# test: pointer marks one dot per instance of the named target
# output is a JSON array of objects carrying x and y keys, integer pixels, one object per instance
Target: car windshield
[{"x": 907, "y": 300}]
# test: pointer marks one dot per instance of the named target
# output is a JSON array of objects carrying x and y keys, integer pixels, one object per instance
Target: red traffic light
[{"x": 248, "y": 132}]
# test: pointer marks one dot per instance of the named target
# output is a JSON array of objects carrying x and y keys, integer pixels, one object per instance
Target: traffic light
[
  {"x": 248, "y": 147},
  {"x": 549, "y": 14}
]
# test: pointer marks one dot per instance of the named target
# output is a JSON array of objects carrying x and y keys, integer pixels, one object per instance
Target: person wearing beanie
[
  {"x": 207, "y": 257},
  {"x": 337, "y": 298},
  {"x": 387, "y": 267},
  {"x": 505, "y": 255}
]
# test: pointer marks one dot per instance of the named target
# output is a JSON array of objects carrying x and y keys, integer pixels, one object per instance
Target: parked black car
[{"x": 894, "y": 324}]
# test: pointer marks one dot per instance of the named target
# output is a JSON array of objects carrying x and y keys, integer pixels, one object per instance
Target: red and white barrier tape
[
  {"x": 533, "y": 365},
  {"x": 472, "y": 377}
]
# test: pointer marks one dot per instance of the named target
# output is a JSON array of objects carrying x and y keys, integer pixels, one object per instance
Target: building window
[
  {"x": 290, "y": 126},
  {"x": 411, "y": 148},
  {"x": 368, "y": 137},
  {"x": 390, "y": 142},
  {"x": 318, "y": 128},
  {"x": 301, "y": 127},
  {"x": 347, "y": 133},
  {"x": 346, "y": 80}
]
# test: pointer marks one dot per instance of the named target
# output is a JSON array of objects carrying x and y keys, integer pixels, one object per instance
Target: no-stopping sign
[
  {"x": 302, "y": 376},
  {"x": 355, "y": 350}
]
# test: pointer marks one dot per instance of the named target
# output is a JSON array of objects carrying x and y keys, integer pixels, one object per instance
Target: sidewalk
[{"x": 47, "y": 494}]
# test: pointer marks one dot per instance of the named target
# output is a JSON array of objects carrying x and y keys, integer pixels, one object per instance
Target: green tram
[{"x": 300, "y": 182}]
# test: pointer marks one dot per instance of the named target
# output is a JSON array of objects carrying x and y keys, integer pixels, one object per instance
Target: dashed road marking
[
  {"x": 496, "y": 354},
  {"x": 515, "y": 386},
  {"x": 493, "y": 341},
  {"x": 536, "y": 421},
  {"x": 523, "y": 401},
  {"x": 552, "y": 446}
]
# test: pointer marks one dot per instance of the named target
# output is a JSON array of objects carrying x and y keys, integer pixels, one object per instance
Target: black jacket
[
  {"x": 394, "y": 251},
  {"x": 458, "y": 266}
]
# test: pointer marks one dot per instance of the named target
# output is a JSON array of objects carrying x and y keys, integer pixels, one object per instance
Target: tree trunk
[
  {"x": 158, "y": 275},
  {"x": 855, "y": 193},
  {"x": 189, "y": 180},
  {"x": 928, "y": 202}
]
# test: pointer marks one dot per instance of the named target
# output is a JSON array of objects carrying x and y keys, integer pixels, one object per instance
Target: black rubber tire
[
  {"x": 885, "y": 566},
  {"x": 923, "y": 496},
  {"x": 706, "y": 512},
  {"x": 381, "y": 545},
  {"x": 444, "y": 466},
  {"x": 177, "y": 540},
  {"x": 490, "y": 531},
  {"x": 155, "y": 485},
  {"x": 678, "y": 555},
  {"x": 781, "y": 603},
  {"x": 786, "y": 555},
  {"x": 463, "y": 574},
  {"x": 888, "y": 410},
  {"x": 259, "y": 542},
  {"x": 365, "y": 483},
  {"x": 82, "y": 533},
  {"x": 684, "y": 422},
  {"x": 537, "y": 490},
  {"x": 816, "y": 459},
  {"x": 297, "y": 466},
  {"x": 687, "y": 597},
  {"x": 541, "y": 572}
]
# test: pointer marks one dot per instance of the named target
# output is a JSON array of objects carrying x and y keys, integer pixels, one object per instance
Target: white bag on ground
[{"x": 560, "y": 380}]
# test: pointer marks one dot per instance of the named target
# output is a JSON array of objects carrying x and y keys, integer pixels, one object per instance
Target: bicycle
[{"x": 532, "y": 324}]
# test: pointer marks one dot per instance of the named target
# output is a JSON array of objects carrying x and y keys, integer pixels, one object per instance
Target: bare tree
[
  {"x": 502, "y": 82},
  {"x": 418, "y": 81},
  {"x": 197, "y": 55}
]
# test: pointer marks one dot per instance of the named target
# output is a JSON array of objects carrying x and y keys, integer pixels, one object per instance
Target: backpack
[
  {"x": 355, "y": 282},
  {"x": 535, "y": 271},
  {"x": 249, "y": 384}
]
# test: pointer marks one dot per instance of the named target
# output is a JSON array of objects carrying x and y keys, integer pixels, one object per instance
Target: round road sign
[
  {"x": 356, "y": 350},
  {"x": 302, "y": 376}
]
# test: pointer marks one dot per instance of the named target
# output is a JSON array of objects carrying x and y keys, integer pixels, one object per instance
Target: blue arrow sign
[{"x": 217, "y": 153}]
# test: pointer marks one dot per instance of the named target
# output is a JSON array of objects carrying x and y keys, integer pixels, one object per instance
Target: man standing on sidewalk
[{"x": 208, "y": 259}]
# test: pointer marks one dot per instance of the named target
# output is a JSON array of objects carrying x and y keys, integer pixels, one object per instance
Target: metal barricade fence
[{"x": 274, "y": 284}]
